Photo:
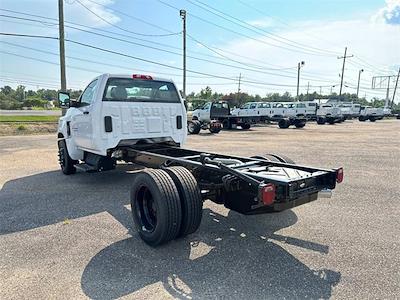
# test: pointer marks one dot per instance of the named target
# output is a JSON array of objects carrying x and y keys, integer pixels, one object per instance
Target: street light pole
[
  {"x": 358, "y": 84},
  {"x": 299, "y": 65}
]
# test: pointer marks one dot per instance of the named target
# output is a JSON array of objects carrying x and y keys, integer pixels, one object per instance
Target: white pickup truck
[
  {"x": 140, "y": 119},
  {"x": 371, "y": 113},
  {"x": 328, "y": 113}
]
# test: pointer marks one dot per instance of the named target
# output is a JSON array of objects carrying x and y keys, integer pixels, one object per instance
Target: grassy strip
[{"x": 29, "y": 118}]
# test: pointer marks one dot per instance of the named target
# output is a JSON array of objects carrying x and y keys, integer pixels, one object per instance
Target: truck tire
[
  {"x": 215, "y": 127},
  {"x": 246, "y": 126},
  {"x": 299, "y": 123},
  {"x": 194, "y": 127},
  {"x": 65, "y": 161},
  {"x": 276, "y": 158},
  {"x": 191, "y": 200},
  {"x": 283, "y": 123},
  {"x": 331, "y": 121},
  {"x": 361, "y": 119},
  {"x": 372, "y": 119},
  {"x": 156, "y": 207},
  {"x": 226, "y": 124},
  {"x": 321, "y": 121}
]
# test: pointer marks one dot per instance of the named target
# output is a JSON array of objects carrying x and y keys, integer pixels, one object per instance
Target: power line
[
  {"x": 179, "y": 54},
  {"x": 90, "y": 32},
  {"x": 241, "y": 34},
  {"x": 121, "y": 28},
  {"x": 246, "y": 25},
  {"x": 139, "y": 58}
]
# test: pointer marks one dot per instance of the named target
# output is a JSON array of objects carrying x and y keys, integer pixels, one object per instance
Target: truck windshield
[{"x": 137, "y": 90}]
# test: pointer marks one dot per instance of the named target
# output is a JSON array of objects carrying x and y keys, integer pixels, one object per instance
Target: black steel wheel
[
  {"x": 299, "y": 123},
  {"x": 191, "y": 200},
  {"x": 361, "y": 119},
  {"x": 193, "y": 127},
  {"x": 331, "y": 121},
  {"x": 156, "y": 208},
  {"x": 372, "y": 119},
  {"x": 321, "y": 121},
  {"x": 65, "y": 161},
  {"x": 283, "y": 123},
  {"x": 246, "y": 126},
  {"x": 226, "y": 124}
]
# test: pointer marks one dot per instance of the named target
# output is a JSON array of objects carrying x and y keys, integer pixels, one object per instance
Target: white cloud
[{"x": 390, "y": 14}]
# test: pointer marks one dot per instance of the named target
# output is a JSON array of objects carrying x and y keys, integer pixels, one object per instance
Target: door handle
[{"x": 85, "y": 112}]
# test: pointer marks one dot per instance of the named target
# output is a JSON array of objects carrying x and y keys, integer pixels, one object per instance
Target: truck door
[
  {"x": 253, "y": 110},
  {"x": 205, "y": 113},
  {"x": 81, "y": 123}
]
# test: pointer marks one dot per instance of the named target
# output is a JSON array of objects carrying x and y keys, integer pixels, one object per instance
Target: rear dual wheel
[{"x": 166, "y": 204}]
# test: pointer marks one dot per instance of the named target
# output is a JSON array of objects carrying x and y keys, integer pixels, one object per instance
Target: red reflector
[
  {"x": 339, "y": 175},
  {"x": 144, "y": 77},
  {"x": 268, "y": 194}
]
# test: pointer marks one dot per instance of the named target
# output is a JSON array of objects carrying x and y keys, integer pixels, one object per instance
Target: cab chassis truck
[{"x": 104, "y": 126}]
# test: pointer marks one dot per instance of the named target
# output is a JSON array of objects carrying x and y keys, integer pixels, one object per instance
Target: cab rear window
[{"x": 138, "y": 90}]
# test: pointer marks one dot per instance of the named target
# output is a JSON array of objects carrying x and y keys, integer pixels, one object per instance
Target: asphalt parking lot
[{"x": 73, "y": 237}]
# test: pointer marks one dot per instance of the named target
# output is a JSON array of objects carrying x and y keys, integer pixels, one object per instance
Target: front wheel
[
  {"x": 65, "y": 161},
  {"x": 299, "y": 123},
  {"x": 193, "y": 127}
]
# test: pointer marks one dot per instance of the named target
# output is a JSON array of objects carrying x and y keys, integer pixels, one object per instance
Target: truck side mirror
[{"x": 63, "y": 99}]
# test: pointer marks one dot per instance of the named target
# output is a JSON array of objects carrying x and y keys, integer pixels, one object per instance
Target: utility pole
[
  {"x": 395, "y": 87},
  {"x": 240, "y": 78},
  {"x": 344, "y": 62},
  {"x": 62, "y": 48},
  {"x": 299, "y": 65},
  {"x": 308, "y": 87},
  {"x": 320, "y": 90},
  {"x": 358, "y": 84},
  {"x": 182, "y": 13}
]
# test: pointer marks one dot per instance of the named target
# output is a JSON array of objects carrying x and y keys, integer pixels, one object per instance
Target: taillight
[
  {"x": 339, "y": 175},
  {"x": 268, "y": 194},
  {"x": 144, "y": 77}
]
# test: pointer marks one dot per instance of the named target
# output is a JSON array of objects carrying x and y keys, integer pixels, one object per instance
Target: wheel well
[
  {"x": 60, "y": 135},
  {"x": 195, "y": 118}
]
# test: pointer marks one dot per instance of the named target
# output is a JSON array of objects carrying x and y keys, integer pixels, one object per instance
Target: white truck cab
[
  {"x": 371, "y": 113},
  {"x": 121, "y": 110},
  {"x": 329, "y": 113}
]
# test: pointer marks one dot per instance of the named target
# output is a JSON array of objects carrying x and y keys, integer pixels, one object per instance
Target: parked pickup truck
[
  {"x": 141, "y": 119},
  {"x": 286, "y": 114},
  {"x": 328, "y": 113},
  {"x": 220, "y": 111},
  {"x": 371, "y": 113}
]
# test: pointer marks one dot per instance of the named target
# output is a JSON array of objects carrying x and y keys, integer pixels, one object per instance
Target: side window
[
  {"x": 88, "y": 94},
  {"x": 207, "y": 106},
  {"x": 253, "y": 105}
]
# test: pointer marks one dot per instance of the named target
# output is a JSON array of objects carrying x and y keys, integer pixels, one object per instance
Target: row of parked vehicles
[{"x": 214, "y": 116}]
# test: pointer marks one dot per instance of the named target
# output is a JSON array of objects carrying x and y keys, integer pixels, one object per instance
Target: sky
[{"x": 260, "y": 41}]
